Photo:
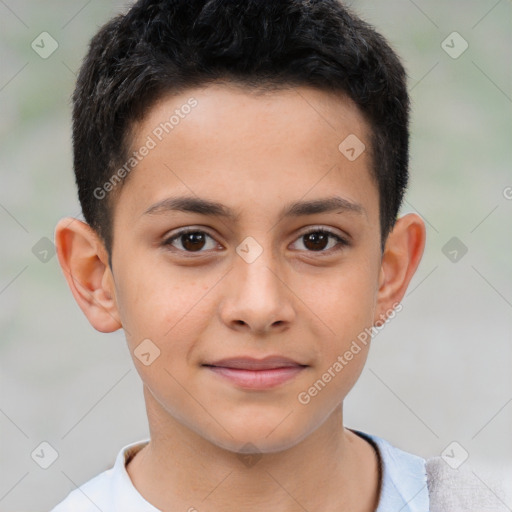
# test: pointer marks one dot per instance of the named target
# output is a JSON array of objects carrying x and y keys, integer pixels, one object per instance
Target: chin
[{"x": 262, "y": 438}]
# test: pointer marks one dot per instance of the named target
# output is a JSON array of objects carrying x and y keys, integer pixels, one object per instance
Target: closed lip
[{"x": 251, "y": 363}]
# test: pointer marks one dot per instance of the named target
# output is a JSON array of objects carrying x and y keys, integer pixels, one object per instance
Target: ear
[
  {"x": 401, "y": 257},
  {"x": 84, "y": 262}
]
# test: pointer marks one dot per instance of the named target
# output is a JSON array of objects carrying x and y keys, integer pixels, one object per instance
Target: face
[{"x": 247, "y": 254}]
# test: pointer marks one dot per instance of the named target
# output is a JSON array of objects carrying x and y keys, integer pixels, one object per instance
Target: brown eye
[
  {"x": 193, "y": 241},
  {"x": 316, "y": 241},
  {"x": 190, "y": 241},
  {"x": 321, "y": 240}
]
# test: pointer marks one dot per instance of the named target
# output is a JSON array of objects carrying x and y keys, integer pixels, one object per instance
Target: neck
[{"x": 331, "y": 469}]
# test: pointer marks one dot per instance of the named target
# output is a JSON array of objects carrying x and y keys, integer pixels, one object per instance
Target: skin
[{"x": 255, "y": 154}]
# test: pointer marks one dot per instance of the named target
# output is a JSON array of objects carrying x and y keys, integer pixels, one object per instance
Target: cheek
[
  {"x": 160, "y": 307},
  {"x": 343, "y": 300},
  {"x": 343, "y": 305}
]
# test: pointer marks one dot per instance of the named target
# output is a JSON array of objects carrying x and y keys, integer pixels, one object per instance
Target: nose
[{"x": 258, "y": 299}]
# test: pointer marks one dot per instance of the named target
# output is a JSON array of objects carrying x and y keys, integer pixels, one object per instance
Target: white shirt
[{"x": 403, "y": 486}]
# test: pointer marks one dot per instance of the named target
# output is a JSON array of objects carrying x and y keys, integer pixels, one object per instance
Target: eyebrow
[{"x": 214, "y": 209}]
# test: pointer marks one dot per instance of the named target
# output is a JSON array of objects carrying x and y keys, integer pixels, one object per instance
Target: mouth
[{"x": 251, "y": 373}]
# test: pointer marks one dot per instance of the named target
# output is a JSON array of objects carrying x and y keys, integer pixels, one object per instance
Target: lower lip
[{"x": 257, "y": 379}]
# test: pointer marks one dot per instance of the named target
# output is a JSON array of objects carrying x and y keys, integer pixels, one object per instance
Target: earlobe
[
  {"x": 84, "y": 262},
  {"x": 402, "y": 255}
]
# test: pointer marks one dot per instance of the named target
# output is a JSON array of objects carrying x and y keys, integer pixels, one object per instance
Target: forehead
[
  {"x": 222, "y": 142},
  {"x": 296, "y": 110}
]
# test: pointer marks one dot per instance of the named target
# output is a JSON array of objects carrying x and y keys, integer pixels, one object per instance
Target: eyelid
[
  {"x": 324, "y": 229},
  {"x": 176, "y": 234},
  {"x": 343, "y": 240}
]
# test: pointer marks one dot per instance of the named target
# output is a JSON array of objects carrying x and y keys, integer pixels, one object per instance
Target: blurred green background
[{"x": 440, "y": 372}]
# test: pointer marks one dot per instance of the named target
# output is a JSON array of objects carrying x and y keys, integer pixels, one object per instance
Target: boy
[{"x": 240, "y": 166}]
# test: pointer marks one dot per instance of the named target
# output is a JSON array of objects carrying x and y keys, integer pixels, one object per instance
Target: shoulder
[
  {"x": 111, "y": 490},
  {"x": 403, "y": 478},
  {"x": 92, "y": 495},
  {"x": 459, "y": 486},
  {"x": 438, "y": 484}
]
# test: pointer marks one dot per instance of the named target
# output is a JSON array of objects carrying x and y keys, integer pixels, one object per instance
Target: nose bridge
[
  {"x": 258, "y": 296},
  {"x": 257, "y": 269}
]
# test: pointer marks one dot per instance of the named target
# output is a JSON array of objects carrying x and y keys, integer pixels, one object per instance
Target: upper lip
[{"x": 251, "y": 363}]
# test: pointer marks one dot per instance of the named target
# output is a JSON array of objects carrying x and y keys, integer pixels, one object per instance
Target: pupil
[
  {"x": 318, "y": 241},
  {"x": 193, "y": 241}
]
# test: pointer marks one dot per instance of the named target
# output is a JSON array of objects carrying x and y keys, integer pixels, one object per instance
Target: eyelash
[{"x": 341, "y": 242}]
